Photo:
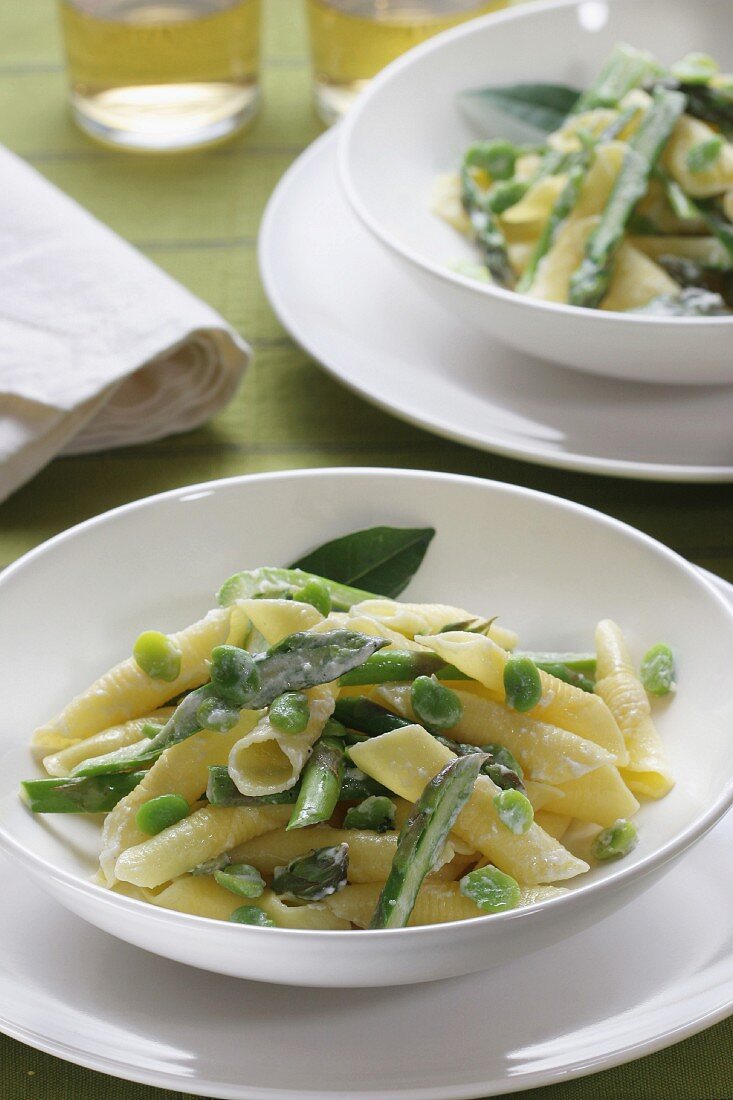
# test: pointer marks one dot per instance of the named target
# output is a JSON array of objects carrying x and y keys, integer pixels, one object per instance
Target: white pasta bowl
[
  {"x": 408, "y": 128},
  {"x": 550, "y": 568}
]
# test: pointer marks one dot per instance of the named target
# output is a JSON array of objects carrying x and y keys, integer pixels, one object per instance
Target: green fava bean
[
  {"x": 234, "y": 674},
  {"x": 157, "y": 656},
  {"x": 491, "y": 889},
  {"x": 316, "y": 594},
  {"x": 290, "y": 713},
  {"x": 514, "y": 810},
  {"x": 522, "y": 683},
  {"x": 616, "y": 841},
  {"x": 242, "y": 879},
  {"x": 252, "y": 914},
  {"x": 437, "y": 707},
  {"x": 658, "y": 671},
  {"x": 160, "y": 813},
  {"x": 216, "y": 714},
  {"x": 376, "y": 813}
]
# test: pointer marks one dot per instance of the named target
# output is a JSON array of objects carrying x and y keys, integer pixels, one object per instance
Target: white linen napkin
[{"x": 98, "y": 347}]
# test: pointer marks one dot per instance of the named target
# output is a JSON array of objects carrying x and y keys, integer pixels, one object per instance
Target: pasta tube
[
  {"x": 276, "y": 619},
  {"x": 601, "y": 797},
  {"x": 410, "y": 619},
  {"x": 647, "y": 771},
  {"x": 561, "y": 704},
  {"x": 267, "y": 761},
  {"x": 546, "y": 752},
  {"x": 126, "y": 691},
  {"x": 206, "y": 833}
]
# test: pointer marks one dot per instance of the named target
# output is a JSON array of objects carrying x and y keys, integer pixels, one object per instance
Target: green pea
[
  {"x": 157, "y": 656},
  {"x": 252, "y": 914},
  {"x": 616, "y": 841},
  {"x": 522, "y": 683},
  {"x": 160, "y": 813},
  {"x": 242, "y": 879},
  {"x": 234, "y": 674},
  {"x": 376, "y": 813},
  {"x": 216, "y": 714},
  {"x": 514, "y": 810},
  {"x": 316, "y": 594},
  {"x": 491, "y": 889},
  {"x": 290, "y": 713},
  {"x": 658, "y": 671},
  {"x": 437, "y": 707}
]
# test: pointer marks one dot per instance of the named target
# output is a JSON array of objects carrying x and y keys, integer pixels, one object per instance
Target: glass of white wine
[
  {"x": 162, "y": 75},
  {"x": 351, "y": 40}
]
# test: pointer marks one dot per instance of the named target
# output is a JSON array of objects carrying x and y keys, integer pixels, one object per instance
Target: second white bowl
[{"x": 408, "y": 128}]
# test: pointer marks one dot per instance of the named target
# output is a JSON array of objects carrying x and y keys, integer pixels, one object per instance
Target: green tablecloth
[{"x": 197, "y": 216}]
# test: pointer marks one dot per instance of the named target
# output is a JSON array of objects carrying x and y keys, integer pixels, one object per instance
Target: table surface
[{"x": 197, "y": 217}]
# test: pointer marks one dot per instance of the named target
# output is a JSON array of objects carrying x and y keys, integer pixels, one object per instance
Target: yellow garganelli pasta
[{"x": 308, "y": 755}]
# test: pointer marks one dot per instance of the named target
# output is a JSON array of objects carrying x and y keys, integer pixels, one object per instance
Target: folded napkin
[{"x": 98, "y": 347}]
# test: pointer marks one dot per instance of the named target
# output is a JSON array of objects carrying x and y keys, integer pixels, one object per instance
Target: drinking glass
[
  {"x": 351, "y": 40},
  {"x": 162, "y": 75}
]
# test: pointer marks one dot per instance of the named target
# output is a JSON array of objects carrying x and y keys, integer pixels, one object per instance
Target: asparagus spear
[
  {"x": 625, "y": 69},
  {"x": 355, "y": 785},
  {"x": 361, "y": 713},
  {"x": 221, "y": 790},
  {"x": 313, "y": 876},
  {"x": 93, "y": 795},
  {"x": 299, "y": 661},
  {"x": 488, "y": 232},
  {"x": 690, "y": 302},
  {"x": 396, "y": 665},
  {"x": 272, "y": 583},
  {"x": 577, "y": 662},
  {"x": 590, "y": 282},
  {"x": 320, "y": 784},
  {"x": 423, "y": 838},
  {"x": 688, "y": 273}
]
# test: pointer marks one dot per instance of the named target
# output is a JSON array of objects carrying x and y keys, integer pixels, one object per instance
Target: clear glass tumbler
[
  {"x": 351, "y": 40},
  {"x": 162, "y": 75}
]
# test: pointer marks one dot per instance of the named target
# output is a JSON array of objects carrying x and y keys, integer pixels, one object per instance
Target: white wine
[
  {"x": 162, "y": 74},
  {"x": 351, "y": 40}
]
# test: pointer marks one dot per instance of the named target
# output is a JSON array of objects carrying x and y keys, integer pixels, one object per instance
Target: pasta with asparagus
[
  {"x": 315, "y": 755},
  {"x": 618, "y": 198}
]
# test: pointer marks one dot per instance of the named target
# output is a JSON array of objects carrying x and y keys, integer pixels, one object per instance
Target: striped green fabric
[{"x": 197, "y": 217}]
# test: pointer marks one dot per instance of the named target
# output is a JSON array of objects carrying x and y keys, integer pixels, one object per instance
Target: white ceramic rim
[
  {"x": 444, "y": 272},
  {"x": 211, "y": 1089},
  {"x": 620, "y": 875},
  {"x": 490, "y": 442}
]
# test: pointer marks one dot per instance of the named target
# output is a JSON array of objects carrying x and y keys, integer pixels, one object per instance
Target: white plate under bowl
[
  {"x": 629, "y": 986},
  {"x": 408, "y": 128},
  {"x": 550, "y": 568},
  {"x": 354, "y": 310}
]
